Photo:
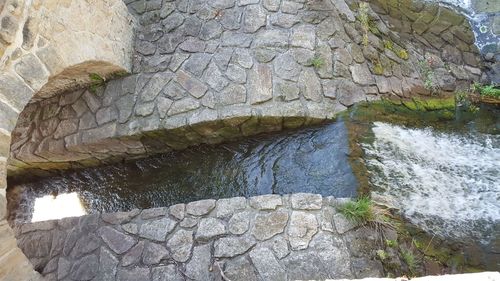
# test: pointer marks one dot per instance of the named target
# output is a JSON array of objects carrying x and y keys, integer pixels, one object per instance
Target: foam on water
[
  {"x": 449, "y": 184},
  {"x": 480, "y": 21}
]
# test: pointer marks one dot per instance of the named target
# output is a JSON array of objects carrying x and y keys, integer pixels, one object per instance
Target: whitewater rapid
[{"x": 447, "y": 183}]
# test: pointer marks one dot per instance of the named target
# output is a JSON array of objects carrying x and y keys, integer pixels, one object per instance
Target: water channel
[{"x": 441, "y": 169}]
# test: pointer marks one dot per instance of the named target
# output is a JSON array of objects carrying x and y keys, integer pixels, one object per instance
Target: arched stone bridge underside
[
  {"x": 205, "y": 72},
  {"x": 202, "y": 71}
]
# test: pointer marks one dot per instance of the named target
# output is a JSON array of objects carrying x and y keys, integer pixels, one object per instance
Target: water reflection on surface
[
  {"x": 50, "y": 207},
  {"x": 311, "y": 160}
]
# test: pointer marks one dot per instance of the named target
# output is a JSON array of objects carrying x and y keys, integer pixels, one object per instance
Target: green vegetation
[
  {"x": 382, "y": 255},
  {"x": 464, "y": 101},
  {"x": 409, "y": 259},
  {"x": 491, "y": 91},
  {"x": 388, "y": 45},
  {"x": 427, "y": 74},
  {"x": 96, "y": 81},
  {"x": 359, "y": 211},
  {"x": 391, "y": 243},
  {"x": 377, "y": 67},
  {"x": 403, "y": 54},
  {"x": 317, "y": 62},
  {"x": 364, "y": 211},
  {"x": 364, "y": 19}
]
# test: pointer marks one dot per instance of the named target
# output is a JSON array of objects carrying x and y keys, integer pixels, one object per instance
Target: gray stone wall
[
  {"x": 269, "y": 237},
  {"x": 47, "y": 47},
  {"x": 205, "y": 72}
]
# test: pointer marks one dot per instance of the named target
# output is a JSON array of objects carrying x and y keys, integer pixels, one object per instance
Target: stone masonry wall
[
  {"x": 47, "y": 47},
  {"x": 269, "y": 237},
  {"x": 217, "y": 70}
]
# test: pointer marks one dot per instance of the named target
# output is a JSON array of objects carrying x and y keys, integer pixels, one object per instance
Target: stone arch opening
[{"x": 47, "y": 47}]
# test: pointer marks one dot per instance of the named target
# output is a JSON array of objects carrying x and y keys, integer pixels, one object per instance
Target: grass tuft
[
  {"x": 359, "y": 211},
  {"x": 96, "y": 81},
  {"x": 317, "y": 62},
  {"x": 409, "y": 259},
  {"x": 491, "y": 91}
]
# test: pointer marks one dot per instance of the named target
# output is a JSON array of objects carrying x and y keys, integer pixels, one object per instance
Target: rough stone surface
[
  {"x": 268, "y": 225},
  {"x": 209, "y": 228},
  {"x": 303, "y": 226},
  {"x": 302, "y": 249},
  {"x": 179, "y": 64},
  {"x": 194, "y": 63}
]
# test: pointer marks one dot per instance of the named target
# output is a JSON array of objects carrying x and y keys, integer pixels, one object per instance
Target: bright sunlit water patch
[
  {"x": 51, "y": 207},
  {"x": 446, "y": 183}
]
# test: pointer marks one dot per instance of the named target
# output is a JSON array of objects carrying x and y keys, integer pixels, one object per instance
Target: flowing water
[
  {"x": 441, "y": 170},
  {"x": 445, "y": 179},
  {"x": 481, "y": 15},
  {"x": 312, "y": 160}
]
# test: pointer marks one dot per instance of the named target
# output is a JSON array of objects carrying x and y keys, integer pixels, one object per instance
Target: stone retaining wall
[
  {"x": 206, "y": 72},
  {"x": 267, "y": 237},
  {"x": 48, "y": 47}
]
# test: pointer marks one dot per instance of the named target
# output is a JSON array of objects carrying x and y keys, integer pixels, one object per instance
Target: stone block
[
  {"x": 306, "y": 201},
  {"x": 31, "y": 69},
  {"x": 266, "y": 202},
  {"x": 13, "y": 91},
  {"x": 268, "y": 225},
  {"x": 260, "y": 84}
]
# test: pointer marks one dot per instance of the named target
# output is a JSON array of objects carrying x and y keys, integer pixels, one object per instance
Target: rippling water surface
[{"x": 310, "y": 160}]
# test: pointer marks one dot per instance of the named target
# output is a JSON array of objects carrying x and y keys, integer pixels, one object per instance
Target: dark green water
[{"x": 310, "y": 160}]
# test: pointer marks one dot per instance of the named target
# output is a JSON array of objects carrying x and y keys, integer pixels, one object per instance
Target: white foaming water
[{"x": 449, "y": 184}]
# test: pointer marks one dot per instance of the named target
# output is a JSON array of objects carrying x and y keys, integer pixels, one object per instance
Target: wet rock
[{"x": 85, "y": 245}]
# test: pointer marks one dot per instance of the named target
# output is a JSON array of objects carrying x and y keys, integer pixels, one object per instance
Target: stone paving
[
  {"x": 269, "y": 237},
  {"x": 208, "y": 71}
]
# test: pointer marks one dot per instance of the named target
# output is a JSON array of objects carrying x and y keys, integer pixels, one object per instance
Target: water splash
[
  {"x": 447, "y": 183},
  {"x": 480, "y": 21}
]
